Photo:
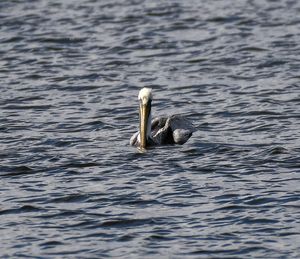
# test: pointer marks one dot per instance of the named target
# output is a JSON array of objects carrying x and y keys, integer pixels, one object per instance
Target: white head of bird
[
  {"x": 145, "y": 95},
  {"x": 145, "y": 98}
]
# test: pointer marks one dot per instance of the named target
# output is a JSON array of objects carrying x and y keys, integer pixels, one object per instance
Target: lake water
[{"x": 72, "y": 187}]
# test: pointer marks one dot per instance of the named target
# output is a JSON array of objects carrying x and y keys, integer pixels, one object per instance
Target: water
[{"x": 71, "y": 186}]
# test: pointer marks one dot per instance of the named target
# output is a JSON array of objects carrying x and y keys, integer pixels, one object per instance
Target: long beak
[{"x": 145, "y": 109}]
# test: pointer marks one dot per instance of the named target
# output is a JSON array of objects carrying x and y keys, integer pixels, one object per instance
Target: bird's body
[{"x": 174, "y": 129}]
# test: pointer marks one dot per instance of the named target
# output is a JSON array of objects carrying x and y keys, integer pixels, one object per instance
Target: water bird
[{"x": 164, "y": 130}]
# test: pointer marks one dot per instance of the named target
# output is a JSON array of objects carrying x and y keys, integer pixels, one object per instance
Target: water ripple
[{"x": 70, "y": 183}]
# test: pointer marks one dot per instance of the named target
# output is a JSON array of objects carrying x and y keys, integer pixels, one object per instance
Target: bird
[{"x": 162, "y": 130}]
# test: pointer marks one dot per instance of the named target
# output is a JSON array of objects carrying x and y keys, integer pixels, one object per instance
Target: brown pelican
[{"x": 173, "y": 129}]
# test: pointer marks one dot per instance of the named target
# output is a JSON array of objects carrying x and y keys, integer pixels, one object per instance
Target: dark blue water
[{"x": 71, "y": 186}]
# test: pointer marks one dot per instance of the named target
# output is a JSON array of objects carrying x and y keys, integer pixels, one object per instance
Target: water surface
[{"x": 71, "y": 186}]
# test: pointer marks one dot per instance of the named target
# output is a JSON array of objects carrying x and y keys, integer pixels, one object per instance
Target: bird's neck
[
  {"x": 149, "y": 126},
  {"x": 148, "y": 131}
]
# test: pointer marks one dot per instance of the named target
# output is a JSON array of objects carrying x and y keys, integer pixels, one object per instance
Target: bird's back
[{"x": 174, "y": 129}]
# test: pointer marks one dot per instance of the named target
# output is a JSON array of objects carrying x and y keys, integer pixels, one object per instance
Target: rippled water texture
[{"x": 71, "y": 186}]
